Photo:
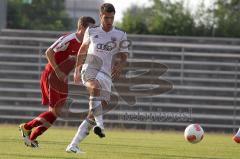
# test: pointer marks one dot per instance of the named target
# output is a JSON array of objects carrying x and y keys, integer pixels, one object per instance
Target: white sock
[
  {"x": 83, "y": 131},
  {"x": 95, "y": 106},
  {"x": 99, "y": 121},
  {"x": 238, "y": 133}
]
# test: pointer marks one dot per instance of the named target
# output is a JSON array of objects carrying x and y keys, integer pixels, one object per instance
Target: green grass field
[{"x": 118, "y": 145}]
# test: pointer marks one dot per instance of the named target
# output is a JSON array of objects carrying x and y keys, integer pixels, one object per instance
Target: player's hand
[
  {"x": 76, "y": 76},
  {"x": 116, "y": 71},
  {"x": 61, "y": 75}
]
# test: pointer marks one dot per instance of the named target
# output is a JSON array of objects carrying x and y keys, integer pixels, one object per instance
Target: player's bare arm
[
  {"x": 119, "y": 63},
  {"x": 50, "y": 57},
  {"x": 80, "y": 59}
]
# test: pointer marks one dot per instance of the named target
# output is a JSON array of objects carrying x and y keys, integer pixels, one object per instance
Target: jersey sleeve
[
  {"x": 124, "y": 44},
  {"x": 59, "y": 45},
  {"x": 86, "y": 38}
]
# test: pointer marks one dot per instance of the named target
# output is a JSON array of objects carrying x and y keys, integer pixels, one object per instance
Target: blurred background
[{"x": 184, "y": 55}]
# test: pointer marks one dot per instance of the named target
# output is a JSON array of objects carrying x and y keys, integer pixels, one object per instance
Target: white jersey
[{"x": 102, "y": 48}]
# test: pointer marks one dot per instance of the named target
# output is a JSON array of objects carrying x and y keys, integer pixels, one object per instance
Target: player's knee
[
  {"x": 94, "y": 91},
  {"x": 51, "y": 109},
  {"x": 56, "y": 111},
  {"x": 93, "y": 88}
]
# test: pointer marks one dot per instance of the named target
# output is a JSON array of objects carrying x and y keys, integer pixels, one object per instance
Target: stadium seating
[{"x": 204, "y": 73}]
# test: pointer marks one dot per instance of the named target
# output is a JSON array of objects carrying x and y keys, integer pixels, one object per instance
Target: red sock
[
  {"x": 37, "y": 132},
  {"x": 49, "y": 117}
]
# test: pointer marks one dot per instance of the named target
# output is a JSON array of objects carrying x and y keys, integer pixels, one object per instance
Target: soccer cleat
[
  {"x": 99, "y": 131},
  {"x": 73, "y": 149},
  {"x": 236, "y": 139},
  {"x": 25, "y": 134},
  {"x": 34, "y": 144}
]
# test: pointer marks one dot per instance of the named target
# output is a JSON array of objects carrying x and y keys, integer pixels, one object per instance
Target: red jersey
[
  {"x": 64, "y": 47},
  {"x": 54, "y": 91}
]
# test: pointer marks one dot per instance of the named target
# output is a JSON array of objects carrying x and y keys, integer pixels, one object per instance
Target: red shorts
[{"x": 54, "y": 91}]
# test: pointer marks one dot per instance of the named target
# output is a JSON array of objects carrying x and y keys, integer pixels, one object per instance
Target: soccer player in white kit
[{"x": 104, "y": 61}]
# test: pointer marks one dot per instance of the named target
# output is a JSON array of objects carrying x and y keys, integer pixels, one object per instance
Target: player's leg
[
  {"x": 48, "y": 118},
  {"x": 85, "y": 126},
  {"x": 41, "y": 123},
  {"x": 99, "y": 129},
  {"x": 26, "y": 128},
  {"x": 104, "y": 91},
  {"x": 95, "y": 105},
  {"x": 81, "y": 134},
  {"x": 56, "y": 99},
  {"x": 44, "y": 121}
]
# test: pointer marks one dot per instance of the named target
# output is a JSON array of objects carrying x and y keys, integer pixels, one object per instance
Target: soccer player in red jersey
[{"x": 55, "y": 96}]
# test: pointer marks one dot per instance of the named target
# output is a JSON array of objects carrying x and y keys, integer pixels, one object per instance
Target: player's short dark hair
[
  {"x": 107, "y": 7},
  {"x": 84, "y": 21}
]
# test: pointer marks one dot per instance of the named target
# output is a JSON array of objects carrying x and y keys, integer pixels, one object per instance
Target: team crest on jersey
[{"x": 96, "y": 36}]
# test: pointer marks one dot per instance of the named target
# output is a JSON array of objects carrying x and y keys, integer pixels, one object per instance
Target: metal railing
[{"x": 185, "y": 94}]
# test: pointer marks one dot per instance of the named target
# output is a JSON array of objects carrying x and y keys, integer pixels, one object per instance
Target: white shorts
[{"x": 104, "y": 80}]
